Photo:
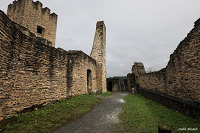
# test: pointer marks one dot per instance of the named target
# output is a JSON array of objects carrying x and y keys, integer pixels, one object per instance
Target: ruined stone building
[
  {"x": 33, "y": 71},
  {"x": 35, "y": 18},
  {"x": 178, "y": 84},
  {"x": 117, "y": 83}
]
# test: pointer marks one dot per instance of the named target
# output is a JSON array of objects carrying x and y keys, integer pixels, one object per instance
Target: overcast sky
[{"x": 147, "y": 31}]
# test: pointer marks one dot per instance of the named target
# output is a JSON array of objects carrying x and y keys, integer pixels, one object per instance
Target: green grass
[
  {"x": 107, "y": 93},
  {"x": 50, "y": 117},
  {"x": 104, "y": 94},
  {"x": 141, "y": 115}
]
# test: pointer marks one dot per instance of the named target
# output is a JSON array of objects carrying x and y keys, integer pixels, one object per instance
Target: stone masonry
[
  {"x": 99, "y": 53},
  {"x": 117, "y": 83},
  {"x": 34, "y": 17},
  {"x": 33, "y": 73},
  {"x": 181, "y": 77},
  {"x": 131, "y": 82}
]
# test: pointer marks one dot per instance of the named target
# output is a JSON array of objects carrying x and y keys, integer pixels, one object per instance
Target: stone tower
[
  {"x": 99, "y": 54},
  {"x": 34, "y": 17}
]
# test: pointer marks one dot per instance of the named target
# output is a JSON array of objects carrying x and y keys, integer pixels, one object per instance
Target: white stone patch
[
  {"x": 121, "y": 100},
  {"x": 113, "y": 117}
]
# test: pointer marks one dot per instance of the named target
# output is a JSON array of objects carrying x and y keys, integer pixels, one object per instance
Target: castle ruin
[
  {"x": 34, "y": 72},
  {"x": 178, "y": 84},
  {"x": 34, "y": 17},
  {"x": 99, "y": 53}
]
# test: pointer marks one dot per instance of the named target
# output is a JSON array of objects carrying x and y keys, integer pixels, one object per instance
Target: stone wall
[
  {"x": 187, "y": 108},
  {"x": 31, "y": 14},
  {"x": 99, "y": 54},
  {"x": 155, "y": 81},
  {"x": 113, "y": 84},
  {"x": 181, "y": 77},
  {"x": 138, "y": 68},
  {"x": 130, "y": 81},
  {"x": 117, "y": 84},
  {"x": 32, "y": 73},
  {"x": 79, "y": 64}
]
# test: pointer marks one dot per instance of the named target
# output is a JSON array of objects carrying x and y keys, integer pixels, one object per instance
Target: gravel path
[{"x": 101, "y": 119}]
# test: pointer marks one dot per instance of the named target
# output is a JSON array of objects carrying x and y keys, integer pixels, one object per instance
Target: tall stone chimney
[{"x": 99, "y": 54}]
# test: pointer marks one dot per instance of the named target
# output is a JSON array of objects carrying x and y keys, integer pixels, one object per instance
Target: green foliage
[
  {"x": 141, "y": 115},
  {"x": 50, "y": 117}
]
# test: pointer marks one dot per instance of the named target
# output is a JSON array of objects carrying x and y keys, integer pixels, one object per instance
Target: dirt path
[{"x": 101, "y": 119}]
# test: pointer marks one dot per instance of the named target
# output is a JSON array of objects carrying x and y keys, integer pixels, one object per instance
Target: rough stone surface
[
  {"x": 138, "y": 68},
  {"x": 78, "y": 65},
  {"x": 99, "y": 54},
  {"x": 181, "y": 77},
  {"x": 30, "y": 14},
  {"x": 32, "y": 73},
  {"x": 117, "y": 83},
  {"x": 130, "y": 81}
]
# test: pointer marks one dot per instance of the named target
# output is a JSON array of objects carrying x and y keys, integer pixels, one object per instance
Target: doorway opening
[
  {"x": 110, "y": 87},
  {"x": 89, "y": 81}
]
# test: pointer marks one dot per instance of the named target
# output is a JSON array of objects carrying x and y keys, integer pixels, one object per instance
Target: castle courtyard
[{"x": 99, "y": 66}]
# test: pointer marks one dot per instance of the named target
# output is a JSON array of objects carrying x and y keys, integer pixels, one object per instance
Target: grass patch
[
  {"x": 141, "y": 115},
  {"x": 107, "y": 93},
  {"x": 103, "y": 94},
  {"x": 50, "y": 117}
]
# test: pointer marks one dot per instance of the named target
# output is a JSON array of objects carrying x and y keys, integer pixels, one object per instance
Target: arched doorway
[
  {"x": 109, "y": 86},
  {"x": 89, "y": 81}
]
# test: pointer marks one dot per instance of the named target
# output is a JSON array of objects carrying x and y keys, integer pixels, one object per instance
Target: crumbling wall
[
  {"x": 32, "y": 73},
  {"x": 115, "y": 84},
  {"x": 118, "y": 83},
  {"x": 181, "y": 77},
  {"x": 131, "y": 82},
  {"x": 79, "y": 63},
  {"x": 138, "y": 68},
  {"x": 31, "y": 14},
  {"x": 155, "y": 81},
  {"x": 99, "y": 54}
]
